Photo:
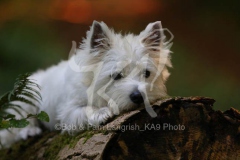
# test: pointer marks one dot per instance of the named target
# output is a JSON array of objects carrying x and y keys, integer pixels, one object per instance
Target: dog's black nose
[{"x": 136, "y": 97}]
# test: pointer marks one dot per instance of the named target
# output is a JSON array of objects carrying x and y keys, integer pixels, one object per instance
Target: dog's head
[{"x": 131, "y": 69}]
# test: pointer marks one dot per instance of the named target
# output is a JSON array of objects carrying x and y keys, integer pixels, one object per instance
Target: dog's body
[{"x": 116, "y": 73}]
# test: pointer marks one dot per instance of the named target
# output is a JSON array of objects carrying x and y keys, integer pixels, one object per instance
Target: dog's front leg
[{"x": 98, "y": 116}]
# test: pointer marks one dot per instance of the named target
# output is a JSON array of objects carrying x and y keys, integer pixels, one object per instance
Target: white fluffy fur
[{"x": 64, "y": 91}]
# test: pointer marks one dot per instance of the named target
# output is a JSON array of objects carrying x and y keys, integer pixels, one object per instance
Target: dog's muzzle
[{"x": 136, "y": 97}]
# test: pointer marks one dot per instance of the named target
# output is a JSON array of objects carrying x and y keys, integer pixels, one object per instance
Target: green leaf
[
  {"x": 5, "y": 124},
  {"x": 9, "y": 116},
  {"x": 43, "y": 116},
  {"x": 18, "y": 123}
]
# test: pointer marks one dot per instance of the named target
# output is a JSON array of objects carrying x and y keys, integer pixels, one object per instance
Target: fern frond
[
  {"x": 25, "y": 91},
  {"x": 31, "y": 95},
  {"x": 17, "y": 109}
]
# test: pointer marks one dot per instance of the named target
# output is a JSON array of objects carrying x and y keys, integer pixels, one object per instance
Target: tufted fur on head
[{"x": 129, "y": 55}]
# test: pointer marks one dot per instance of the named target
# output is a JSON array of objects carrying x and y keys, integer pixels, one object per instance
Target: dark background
[{"x": 37, "y": 34}]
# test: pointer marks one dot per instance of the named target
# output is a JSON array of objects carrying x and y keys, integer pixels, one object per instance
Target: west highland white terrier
[{"x": 107, "y": 75}]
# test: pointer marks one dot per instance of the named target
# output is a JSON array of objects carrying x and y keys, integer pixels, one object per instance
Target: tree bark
[{"x": 185, "y": 128}]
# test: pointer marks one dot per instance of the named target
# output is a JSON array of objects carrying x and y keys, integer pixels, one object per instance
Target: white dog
[{"x": 109, "y": 74}]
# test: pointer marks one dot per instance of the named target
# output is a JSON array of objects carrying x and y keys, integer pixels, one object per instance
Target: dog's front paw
[
  {"x": 29, "y": 132},
  {"x": 100, "y": 116}
]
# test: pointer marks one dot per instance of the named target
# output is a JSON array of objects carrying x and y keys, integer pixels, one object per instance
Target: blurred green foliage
[
  {"x": 24, "y": 47},
  {"x": 191, "y": 77}
]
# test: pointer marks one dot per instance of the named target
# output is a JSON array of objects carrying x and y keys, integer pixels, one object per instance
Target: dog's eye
[
  {"x": 147, "y": 73},
  {"x": 117, "y": 76}
]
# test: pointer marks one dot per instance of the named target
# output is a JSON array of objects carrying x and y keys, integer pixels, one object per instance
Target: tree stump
[{"x": 185, "y": 128}]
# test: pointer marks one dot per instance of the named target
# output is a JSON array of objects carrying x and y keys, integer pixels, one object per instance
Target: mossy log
[{"x": 185, "y": 128}]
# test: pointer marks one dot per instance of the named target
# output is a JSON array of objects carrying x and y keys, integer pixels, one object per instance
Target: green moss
[
  {"x": 86, "y": 135},
  {"x": 60, "y": 141},
  {"x": 56, "y": 145},
  {"x": 21, "y": 149},
  {"x": 105, "y": 132},
  {"x": 52, "y": 142}
]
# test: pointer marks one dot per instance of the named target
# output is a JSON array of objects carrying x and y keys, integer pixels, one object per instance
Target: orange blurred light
[
  {"x": 73, "y": 11},
  {"x": 80, "y": 11}
]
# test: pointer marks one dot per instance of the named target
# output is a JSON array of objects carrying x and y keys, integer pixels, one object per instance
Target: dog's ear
[
  {"x": 152, "y": 36},
  {"x": 99, "y": 39}
]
